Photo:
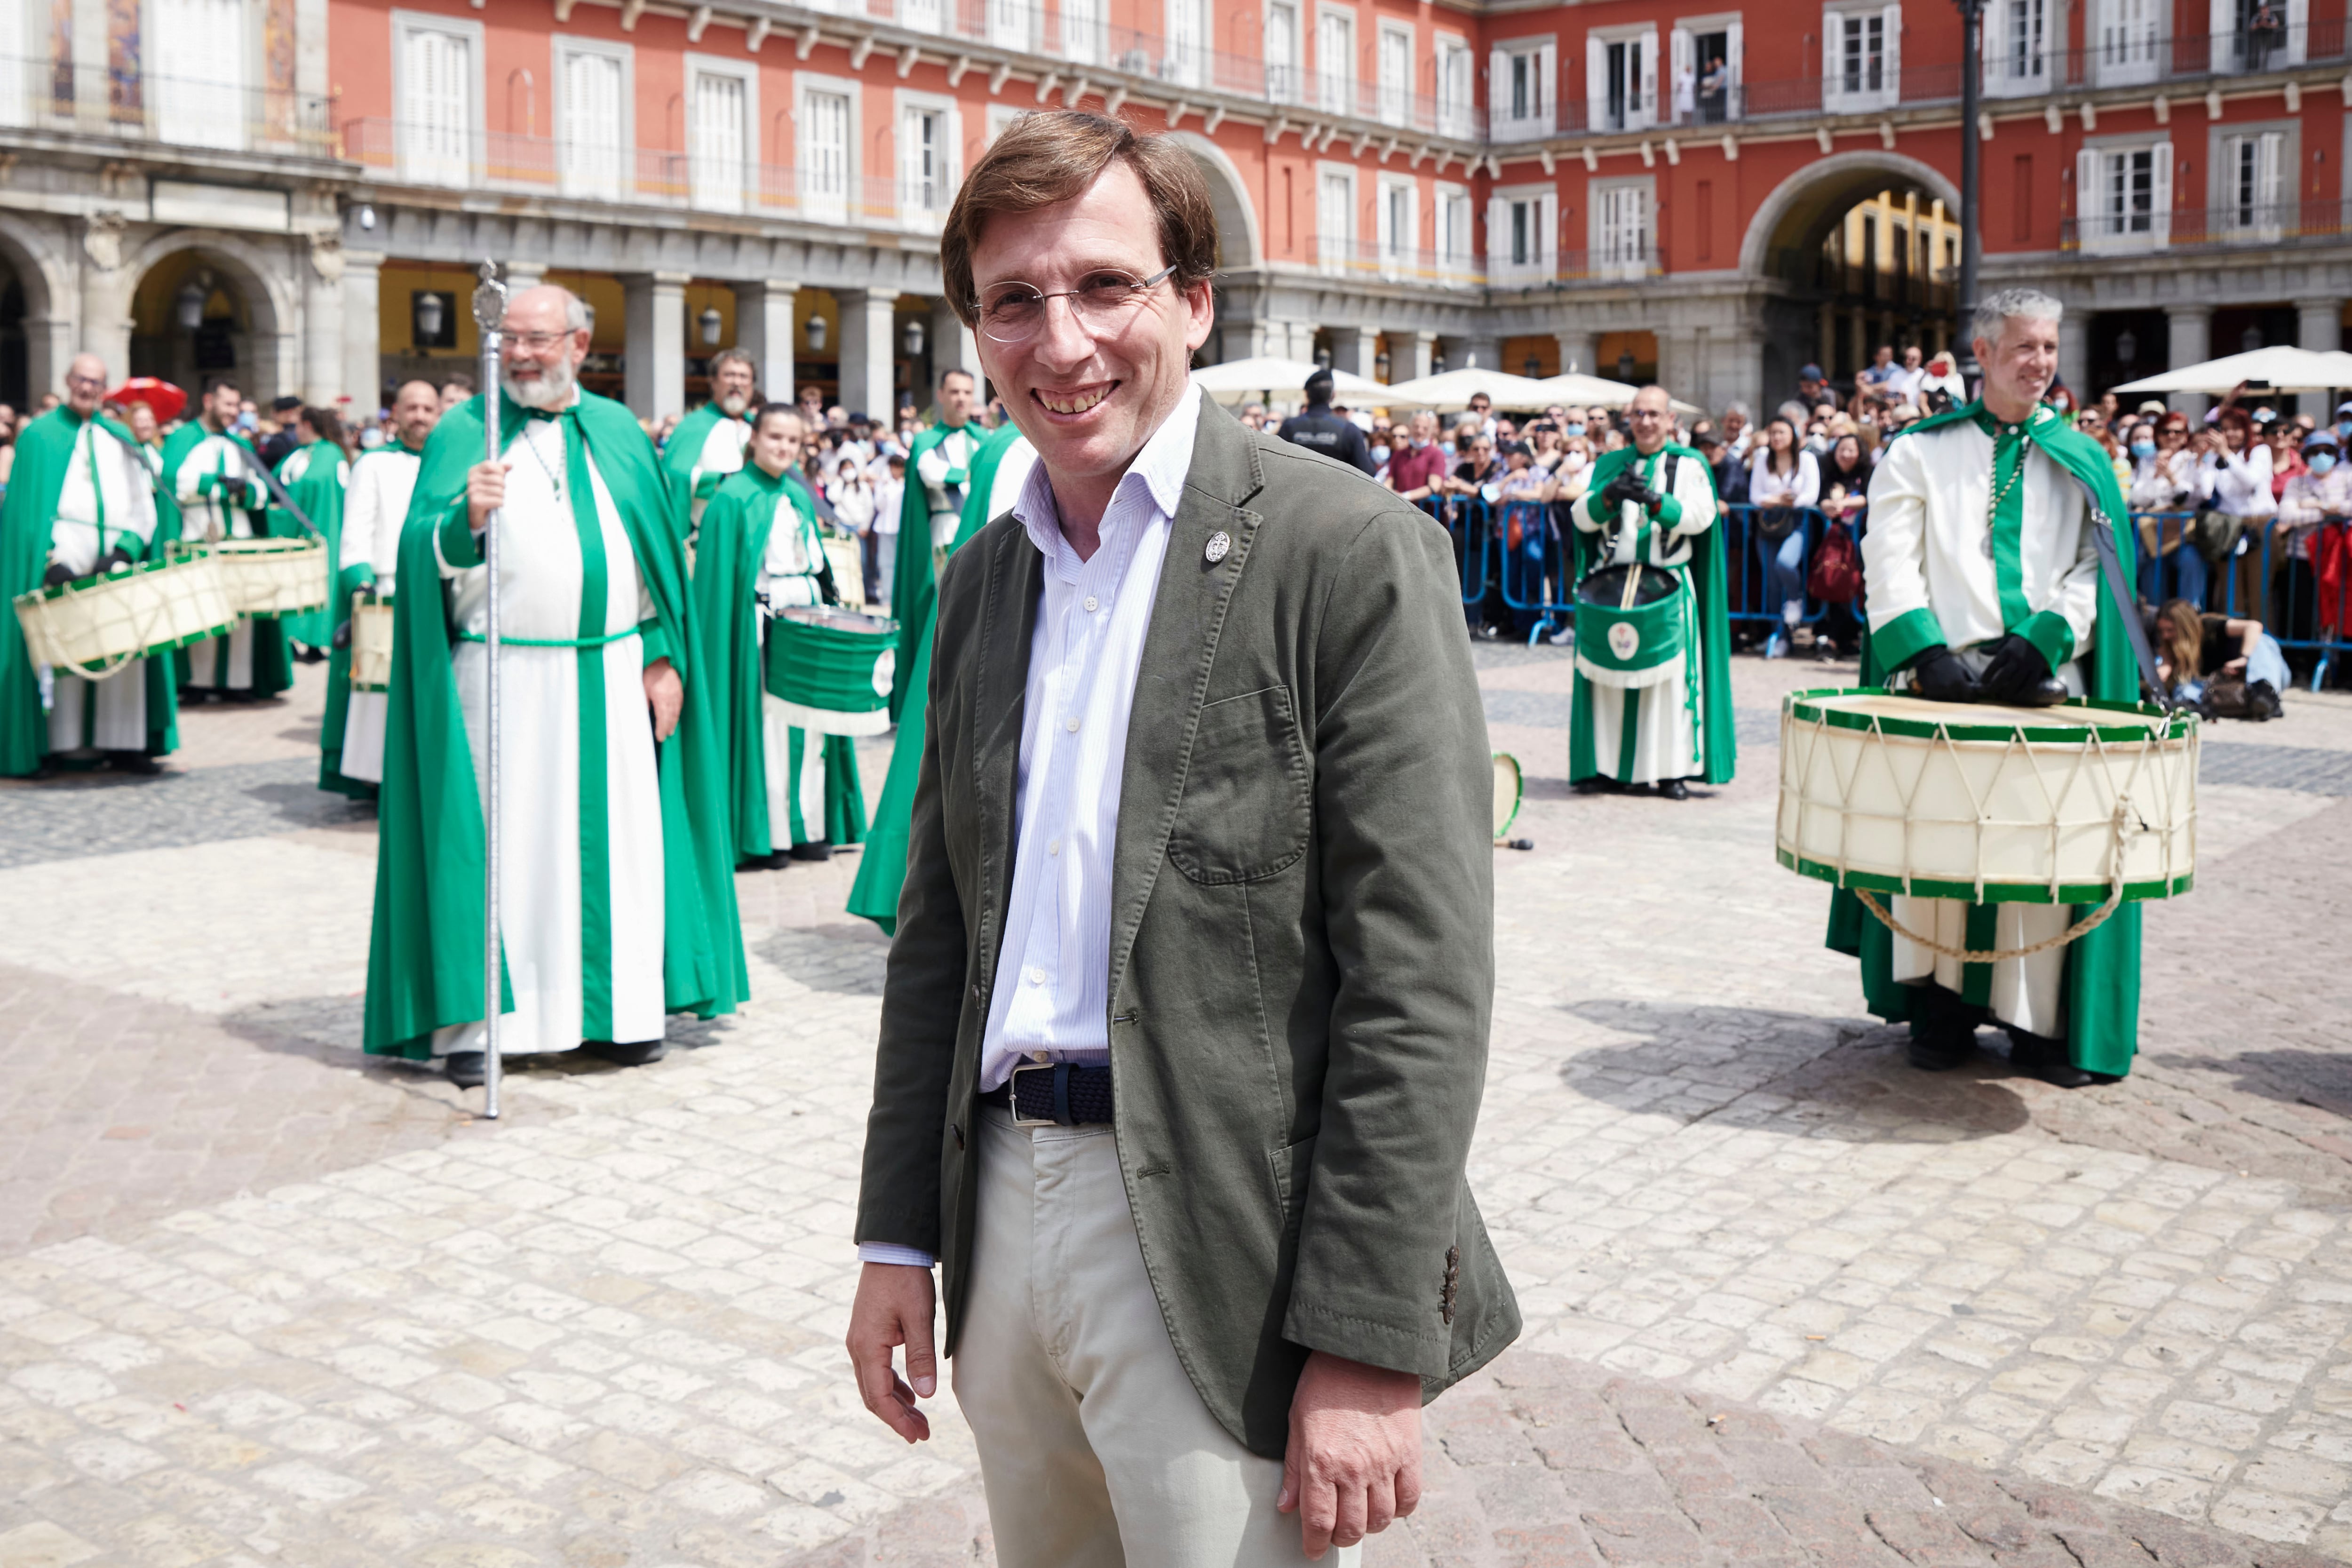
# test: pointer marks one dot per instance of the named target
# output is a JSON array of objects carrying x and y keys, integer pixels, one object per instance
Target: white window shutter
[
  {"x": 1832, "y": 26},
  {"x": 2221, "y": 23},
  {"x": 1548, "y": 244},
  {"x": 2160, "y": 227},
  {"x": 1498, "y": 235},
  {"x": 1679, "y": 67},
  {"x": 1498, "y": 86},
  {"x": 1547, "y": 86},
  {"x": 1651, "y": 114},
  {"x": 910, "y": 158},
  {"x": 1596, "y": 80},
  {"x": 2091, "y": 224},
  {"x": 2298, "y": 29},
  {"x": 1735, "y": 45},
  {"x": 1893, "y": 89},
  {"x": 2267, "y": 160}
]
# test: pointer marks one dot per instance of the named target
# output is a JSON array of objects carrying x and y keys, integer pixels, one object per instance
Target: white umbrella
[
  {"x": 1575, "y": 391},
  {"x": 1285, "y": 378},
  {"x": 2284, "y": 368},
  {"x": 1453, "y": 390}
]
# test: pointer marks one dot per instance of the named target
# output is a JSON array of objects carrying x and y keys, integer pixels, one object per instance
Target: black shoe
[
  {"x": 1943, "y": 1029},
  {"x": 1599, "y": 783},
  {"x": 133, "y": 762},
  {"x": 820, "y": 850},
  {"x": 2262, "y": 703},
  {"x": 636, "y": 1055},
  {"x": 2047, "y": 1059},
  {"x": 774, "y": 861},
  {"x": 465, "y": 1067},
  {"x": 1674, "y": 789}
]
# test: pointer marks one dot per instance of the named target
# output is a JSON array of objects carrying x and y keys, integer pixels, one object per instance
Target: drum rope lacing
[{"x": 2120, "y": 824}]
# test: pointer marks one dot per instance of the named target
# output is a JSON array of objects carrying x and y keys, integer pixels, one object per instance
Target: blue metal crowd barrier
[{"x": 2260, "y": 579}]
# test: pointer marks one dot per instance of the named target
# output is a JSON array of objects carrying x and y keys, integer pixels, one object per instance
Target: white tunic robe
[
  {"x": 374, "y": 506},
  {"x": 107, "y": 496},
  {"x": 569, "y": 985},
  {"x": 1666, "y": 739},
  {"x": 225, "y": 662},
  {"x": 951, "y": 454},
  {"x": 1930, "y": 547},
  {"x": 795, "y": 757},
  {"x": 722, "y": 453}
]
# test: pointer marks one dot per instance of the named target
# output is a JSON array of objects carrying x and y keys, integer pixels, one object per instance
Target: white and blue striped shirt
[{"x": 1052, "y": 996}]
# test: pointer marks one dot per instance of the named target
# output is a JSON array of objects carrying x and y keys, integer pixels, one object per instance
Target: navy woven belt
[{"x": 1055, "y": 1094}]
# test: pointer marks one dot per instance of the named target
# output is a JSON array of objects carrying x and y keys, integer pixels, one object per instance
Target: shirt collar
[{"x": 1160, "y": 467}]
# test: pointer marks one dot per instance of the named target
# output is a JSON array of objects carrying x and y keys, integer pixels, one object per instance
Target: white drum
[
  {"x": 848, "y": 571},
  {"x": 97, "y": 625},
  {"x": 267, "y": 578},
  {"x": 1891, "y": 793},
  {"x": 372, "y": 620}
]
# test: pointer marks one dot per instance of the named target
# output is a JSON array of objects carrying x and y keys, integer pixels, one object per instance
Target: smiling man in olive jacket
[{"x": 1185, "y": 1024}]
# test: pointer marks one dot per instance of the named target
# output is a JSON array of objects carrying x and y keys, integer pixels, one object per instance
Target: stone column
[
  {"x": 1479, "y": 354},
  {"x": 1353, "y": 350},
  {"x": 520, "y": 276},
  {"x": 2074, "y": 355},
  {"x": 763, "y": 329},
  {"x": 866, "y": 355},
  {"x": 322, "y": 328},
  {"x": 362, "y": 342},
  {"x": 953, "y": 347},
  {"x": 2192, "y": 327},
  {"x": 654, "y": 379},
  {"x": 105, "y": 299},
  {"x": 1420, "y": 352},
  {"x": 2319, "y": 325},
  {"x": 1578, "y": 352}
]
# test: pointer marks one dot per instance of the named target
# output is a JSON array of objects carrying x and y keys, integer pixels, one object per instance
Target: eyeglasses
[
  {"x": 1012, "y": 312},
  {"x": 537, "y": 342},
  {"x": 86, "y": 382}
]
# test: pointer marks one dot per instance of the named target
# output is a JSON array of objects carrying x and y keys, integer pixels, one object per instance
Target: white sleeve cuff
[{"x": 891, "y": 1252}]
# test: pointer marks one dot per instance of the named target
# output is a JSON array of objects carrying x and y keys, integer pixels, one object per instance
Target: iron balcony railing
[
  {"x": 504, "y": 162},
  {"x": 162, "y": 110},
  {"x": 2280, "y": 224},
  {"x": 1371, "y": 261}
]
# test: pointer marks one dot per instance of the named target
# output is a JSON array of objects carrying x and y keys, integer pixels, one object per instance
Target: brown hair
[
  {"x": 2182, "y": 631},
  {"x": 1053, "y": 155}
]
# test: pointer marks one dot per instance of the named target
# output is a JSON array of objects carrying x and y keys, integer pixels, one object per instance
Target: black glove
[
  {"x": 2019, "y": 674},
  {"x": 116, "y": 560},
  {"x": 342, "y": 637},
  {"x": 1938, "y": 675},
  {"x": 58, "y": 573},
  {"x": 1627, "y": 485}
]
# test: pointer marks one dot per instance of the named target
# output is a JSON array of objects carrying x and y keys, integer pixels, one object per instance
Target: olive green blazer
[{"x": 1302, "y": 947}]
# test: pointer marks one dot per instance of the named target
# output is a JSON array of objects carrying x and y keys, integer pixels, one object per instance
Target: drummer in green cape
[
  {"x": 315, "y": 475},
  {"x": 999, "y": 467},
  {"x": 214, "y": 477},
  {"x": 80, "y": 500},
  {"x": 938, "y": 470},
  {"x": 1984, "y": 586},
  {"x": 790, "y": 792},
  {"x": 708, "y": 442},
  {"x": 1653, "y": 503},
  {"x": 616, "y": 879},
  {"x": 376, "y": 504}
]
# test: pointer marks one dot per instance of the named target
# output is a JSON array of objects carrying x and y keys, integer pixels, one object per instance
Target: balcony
[
  {"x": 503, "y": 164},
  {"x": 161, "y": 112},
  {"x": 1371, "y": 261},
  {"x": 2287, "y": 224}
]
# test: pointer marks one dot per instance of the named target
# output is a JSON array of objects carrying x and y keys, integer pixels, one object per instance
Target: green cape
[
  {"x": 882, "y": 868},
  {"x": 679, "y": 456},
  {"x": 351, "y": 576},
  {"x": 1718, "y": 741},
  {"x": 319, "y": 494},
  {"x": 735, "y": 530},
  {"x": 424, "y": 955},
  {"x": 43, "y": 448},
  {"x": 914, "y": 591},
  {"x": 2102, "y": 968},
  {"x": 273, "y": 651}
]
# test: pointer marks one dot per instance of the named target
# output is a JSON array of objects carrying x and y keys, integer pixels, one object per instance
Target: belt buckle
[{"x": 1012, "y": 1095}]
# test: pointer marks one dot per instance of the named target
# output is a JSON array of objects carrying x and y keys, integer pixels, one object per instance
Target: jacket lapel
[
  {"x": 1178, "y": 651},
  {"x": 1008, "y": 617}
]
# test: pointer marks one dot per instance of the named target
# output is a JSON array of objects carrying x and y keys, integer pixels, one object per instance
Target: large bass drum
[
  {"x": 831, "y": 668},
  {"x": 1629, "y": 624},
  {"x": 96, "y": 627}
]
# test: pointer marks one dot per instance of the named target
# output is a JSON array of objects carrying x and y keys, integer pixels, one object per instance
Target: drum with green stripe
[
  {"x": 1619, "y": 644},
  {"x": 831, "y": 668}
]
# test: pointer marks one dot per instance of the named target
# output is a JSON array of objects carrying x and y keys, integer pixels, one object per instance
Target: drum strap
[{"x": 2110, "y": 567}]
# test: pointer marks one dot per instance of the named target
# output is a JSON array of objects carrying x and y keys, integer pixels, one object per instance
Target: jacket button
[
  {"x": 958, "y": 1130},
  {"x": 975, "y": 990}
]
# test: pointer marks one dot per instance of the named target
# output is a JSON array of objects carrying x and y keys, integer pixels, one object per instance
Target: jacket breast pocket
[{"x": 1244, "y": 814}]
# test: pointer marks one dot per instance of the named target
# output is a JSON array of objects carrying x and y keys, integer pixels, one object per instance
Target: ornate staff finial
[{"x": 490, "y": 298}]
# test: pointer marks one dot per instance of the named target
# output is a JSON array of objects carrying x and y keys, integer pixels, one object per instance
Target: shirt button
[
  {"x": 1071, "y": 725},
  {"x": 1053, "y": 847},
  {"x": 1040, "y": 1056},
  {"x": 1036, "y": 976},
  {"x": 1090, "y": 604}
]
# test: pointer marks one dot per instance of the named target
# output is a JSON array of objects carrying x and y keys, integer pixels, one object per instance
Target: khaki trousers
[{"x": 1096, "y": 1451}]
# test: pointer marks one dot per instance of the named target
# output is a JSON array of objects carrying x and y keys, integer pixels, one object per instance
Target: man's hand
[
  {"x": 664, "y": 694},
  {"x": 2019, "y": 674},
  {"x": 894, "y": 1307},
  {"x": 1353, "y": 1463},
  {"x": 1938, "y": 675},
  {"x": 485, "y": 491}
]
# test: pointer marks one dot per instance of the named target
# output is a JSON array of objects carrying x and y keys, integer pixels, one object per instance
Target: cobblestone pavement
[{"x": 262, "y": 1302}]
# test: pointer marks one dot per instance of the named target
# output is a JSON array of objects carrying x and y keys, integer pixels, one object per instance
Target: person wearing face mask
[
  {"x": 708, "y": 442},
  {"x": 2164, "y": 499},
  {"x": 2320, "y": 495}
]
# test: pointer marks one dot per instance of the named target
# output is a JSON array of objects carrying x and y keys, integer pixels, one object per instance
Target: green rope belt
[{"x": 505, "y": 641}]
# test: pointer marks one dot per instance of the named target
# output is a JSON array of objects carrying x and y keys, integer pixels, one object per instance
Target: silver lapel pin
[{"x": 1219, "y": 542}]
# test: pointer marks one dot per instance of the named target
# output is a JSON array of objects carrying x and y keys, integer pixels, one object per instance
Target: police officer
[{"x": 1320, "y": 430}]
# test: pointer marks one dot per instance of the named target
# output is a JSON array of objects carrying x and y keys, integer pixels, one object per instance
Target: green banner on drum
[
  {"x": 832, "y": 669},
  {"x": 1630, "y": 638}
]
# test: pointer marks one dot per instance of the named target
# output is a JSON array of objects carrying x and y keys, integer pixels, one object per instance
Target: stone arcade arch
[
  {"x": 36, "y": 333},
  {"x": 249, "y": 315},
  {"x": 1782, "y": 246}
]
